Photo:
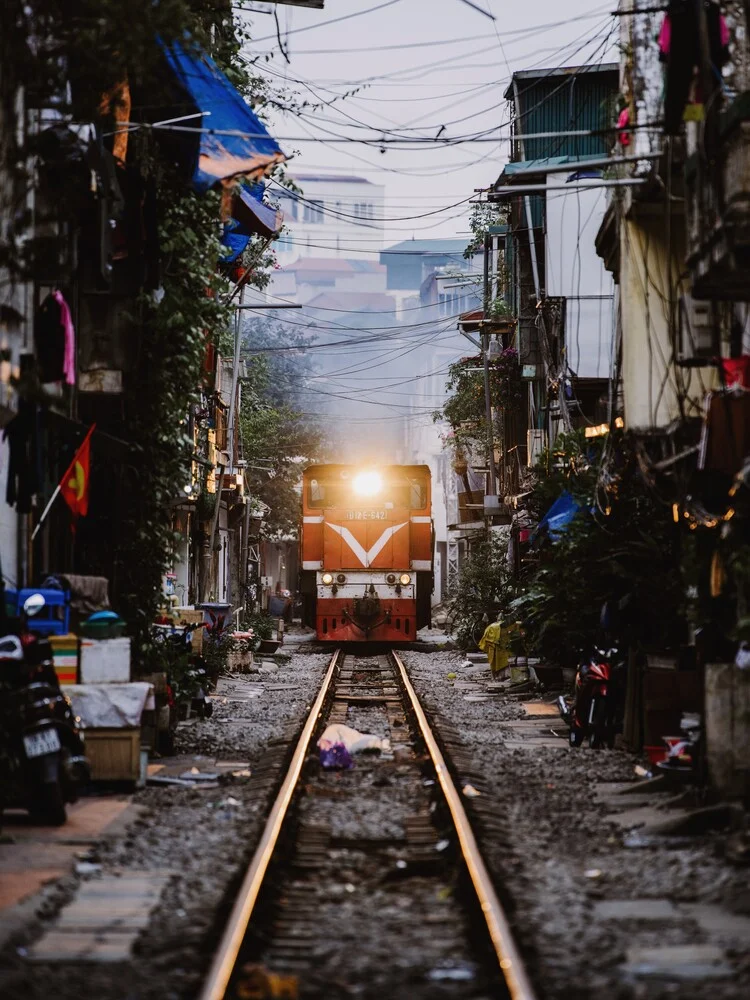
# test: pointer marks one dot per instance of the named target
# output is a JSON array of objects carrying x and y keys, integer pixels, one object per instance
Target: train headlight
[
  {"x": 391, "y": 578},
  {"x": 404, "y": 579},
  {"x": 328, "y": 579},
  {"x": 341, "y": 578},
  {"x": 367, "y": 484}
]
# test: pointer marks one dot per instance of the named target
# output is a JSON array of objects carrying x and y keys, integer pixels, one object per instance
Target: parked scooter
[
  {"x": 42, "y": 757},
  {"x": 594, "y": 711}
]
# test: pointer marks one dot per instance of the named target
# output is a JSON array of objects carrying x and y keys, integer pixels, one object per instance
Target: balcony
[{"x": 718, "y": 210}]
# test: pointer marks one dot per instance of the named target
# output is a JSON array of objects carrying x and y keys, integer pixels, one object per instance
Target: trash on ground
[
  {"x": 451, "y": 974},
  {"x": 592, "y": 873},
  {"x": 336, "y": 757},
  {"x": 339, "y": 742},
  {"x": 471, "y": 792},
  {"x": 158, "y": 779},
  {"x": 87, "y": 868},
  {"x": 198, "y": 776},
  {"x": 442, "y": 845}
]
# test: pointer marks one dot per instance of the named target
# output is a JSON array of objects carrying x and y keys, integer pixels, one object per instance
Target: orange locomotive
[{"x": 366, "y": 552}]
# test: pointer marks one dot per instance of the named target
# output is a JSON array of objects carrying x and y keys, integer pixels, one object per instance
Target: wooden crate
[{"x": 114, "y": 754}]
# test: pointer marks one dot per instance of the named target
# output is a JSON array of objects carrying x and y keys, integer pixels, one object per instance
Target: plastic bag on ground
[{"x": 339, "y": 742}]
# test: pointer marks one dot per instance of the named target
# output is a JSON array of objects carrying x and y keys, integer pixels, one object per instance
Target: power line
[{"x": 333, "y": 20}]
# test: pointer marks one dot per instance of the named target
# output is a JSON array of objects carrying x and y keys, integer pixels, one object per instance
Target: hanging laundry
[
  {"x": 623, "y": 121},
  {"x": 54, "y": 338},
  {"x": 69, "y": 359},
  {"x": 679, "y": 49}
]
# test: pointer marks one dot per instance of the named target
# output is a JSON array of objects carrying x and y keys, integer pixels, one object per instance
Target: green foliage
[
  {"x": 173, "y": 340},
  {"x": 262, "y": 625},
  {"x": 185, "y": 676},
  {"x": 483, "y": 215},
  {"x": 483, "y": 588},
  {"x": 465, "y": 409},
  {"x": 277, "y": 427},
  {"x": 625, "y": 554}
]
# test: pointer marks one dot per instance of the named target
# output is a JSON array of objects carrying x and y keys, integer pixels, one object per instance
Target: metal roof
[
  {"x": 540, "y": 166},
  {"x": 436, "y": 247},
  {"x": 543, "y": 74}
]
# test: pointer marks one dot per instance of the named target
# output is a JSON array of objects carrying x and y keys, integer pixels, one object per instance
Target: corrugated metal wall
[{"x": 573, "y": 102}]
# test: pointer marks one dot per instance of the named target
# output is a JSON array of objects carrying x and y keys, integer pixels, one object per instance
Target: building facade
[{"x": 331, "y": 216}]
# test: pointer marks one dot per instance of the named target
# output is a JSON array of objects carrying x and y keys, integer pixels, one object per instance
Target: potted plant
[
  {"x": 240, "y": 656},
  {"x": 262, "y": 625}
]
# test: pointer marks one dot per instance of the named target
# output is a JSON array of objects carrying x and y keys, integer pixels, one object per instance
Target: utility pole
[{"x": 492, "y": 483}]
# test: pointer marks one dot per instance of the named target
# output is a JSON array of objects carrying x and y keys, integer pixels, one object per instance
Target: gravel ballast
[
  {"x": 203, "y": 837},
  {"x": 561, "y": 854}
]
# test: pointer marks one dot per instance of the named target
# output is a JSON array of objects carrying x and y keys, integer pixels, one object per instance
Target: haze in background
[{"x": 420, "y": 68}]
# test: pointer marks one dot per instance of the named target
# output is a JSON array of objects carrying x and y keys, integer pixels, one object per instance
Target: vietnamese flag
[{"x": 74, "y": 485}]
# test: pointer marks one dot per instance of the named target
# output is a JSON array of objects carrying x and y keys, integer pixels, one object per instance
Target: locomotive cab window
[{"x": 342, "y": 493}]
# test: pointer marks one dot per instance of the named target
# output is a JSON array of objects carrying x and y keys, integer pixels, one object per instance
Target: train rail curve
[{"x": 368, "y": 882}]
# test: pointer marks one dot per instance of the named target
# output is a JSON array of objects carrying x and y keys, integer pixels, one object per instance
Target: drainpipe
[
  {"x": 527, "y": 199},
  {"x": 230, "y": 422},
  {"x": 492, "y": 484}
]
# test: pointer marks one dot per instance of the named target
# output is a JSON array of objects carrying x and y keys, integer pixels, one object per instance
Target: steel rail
[
  {"x": 217, "y": 980},
  {"x": 508, "y": 956}
]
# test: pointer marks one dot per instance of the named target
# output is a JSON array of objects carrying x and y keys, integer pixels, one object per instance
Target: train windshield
[{"x": 340, "y": 492}]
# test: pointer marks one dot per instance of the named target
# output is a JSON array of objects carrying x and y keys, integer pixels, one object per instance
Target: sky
[
  {"x": 421, "y": 70},
  {"x": 420, "y": 66}
]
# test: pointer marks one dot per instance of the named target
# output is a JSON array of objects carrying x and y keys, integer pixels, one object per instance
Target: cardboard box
[
  {"x": 113, "y": 754},
  {"x": 65, "y": 657},
  {"x": 189, "y": 616},
  {"x": 105, "y": 661}
]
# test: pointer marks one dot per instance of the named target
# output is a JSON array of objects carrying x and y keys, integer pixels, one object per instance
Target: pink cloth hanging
[
  {"x": 69, "y": 358},
  {"x": 622, "y": 123},
  {"x": 665, "y": 36}
]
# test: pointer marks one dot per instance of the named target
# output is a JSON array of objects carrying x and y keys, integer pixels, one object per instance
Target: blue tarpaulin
[
  {"x": 559, "y": 516},
  {"x": 249, "y": 151},
  {"x": 252, "y": 215},
  {"x": 234, "y": 242},
  {"x": 249, "y": 215}
]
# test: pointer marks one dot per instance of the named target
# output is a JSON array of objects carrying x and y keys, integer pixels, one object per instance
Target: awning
[
  {"x": 252, "y": 215},
  {"x": 248, "y": 150},
  {"x": 249, "y": 216}
]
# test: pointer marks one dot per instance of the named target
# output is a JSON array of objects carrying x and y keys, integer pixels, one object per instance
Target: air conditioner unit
[
  {"x": 535, "y": 443},
  {"x": 698, "y": 333}
]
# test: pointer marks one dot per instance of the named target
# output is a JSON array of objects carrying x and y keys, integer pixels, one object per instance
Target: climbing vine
[
  {"x": 465, "y": 409},
  {"x": 174, "y": 333}
]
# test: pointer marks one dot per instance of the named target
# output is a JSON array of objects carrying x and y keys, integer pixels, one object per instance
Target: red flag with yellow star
[{"x": 74, "y": 485}]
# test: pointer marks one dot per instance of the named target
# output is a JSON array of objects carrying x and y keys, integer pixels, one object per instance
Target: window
[
  {"x": 400, "y": 494},
  {"x": 291, "y": 208},
  {"x": 314, "y": 212},
  {"x": 364, "y": 210}
]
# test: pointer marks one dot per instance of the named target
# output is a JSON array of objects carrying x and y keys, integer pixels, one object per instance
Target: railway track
[{"x": 368, "y": 882}]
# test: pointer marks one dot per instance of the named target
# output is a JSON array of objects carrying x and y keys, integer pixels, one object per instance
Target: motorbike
[
  {"x": 593, "y": 713},
  {"x": 42, "y": 758}
]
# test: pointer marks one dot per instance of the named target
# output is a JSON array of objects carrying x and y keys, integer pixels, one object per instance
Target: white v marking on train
[{"x": 365, "y": 557}]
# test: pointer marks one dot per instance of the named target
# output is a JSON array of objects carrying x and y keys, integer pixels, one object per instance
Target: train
[{"x": 366, "y": 552}]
